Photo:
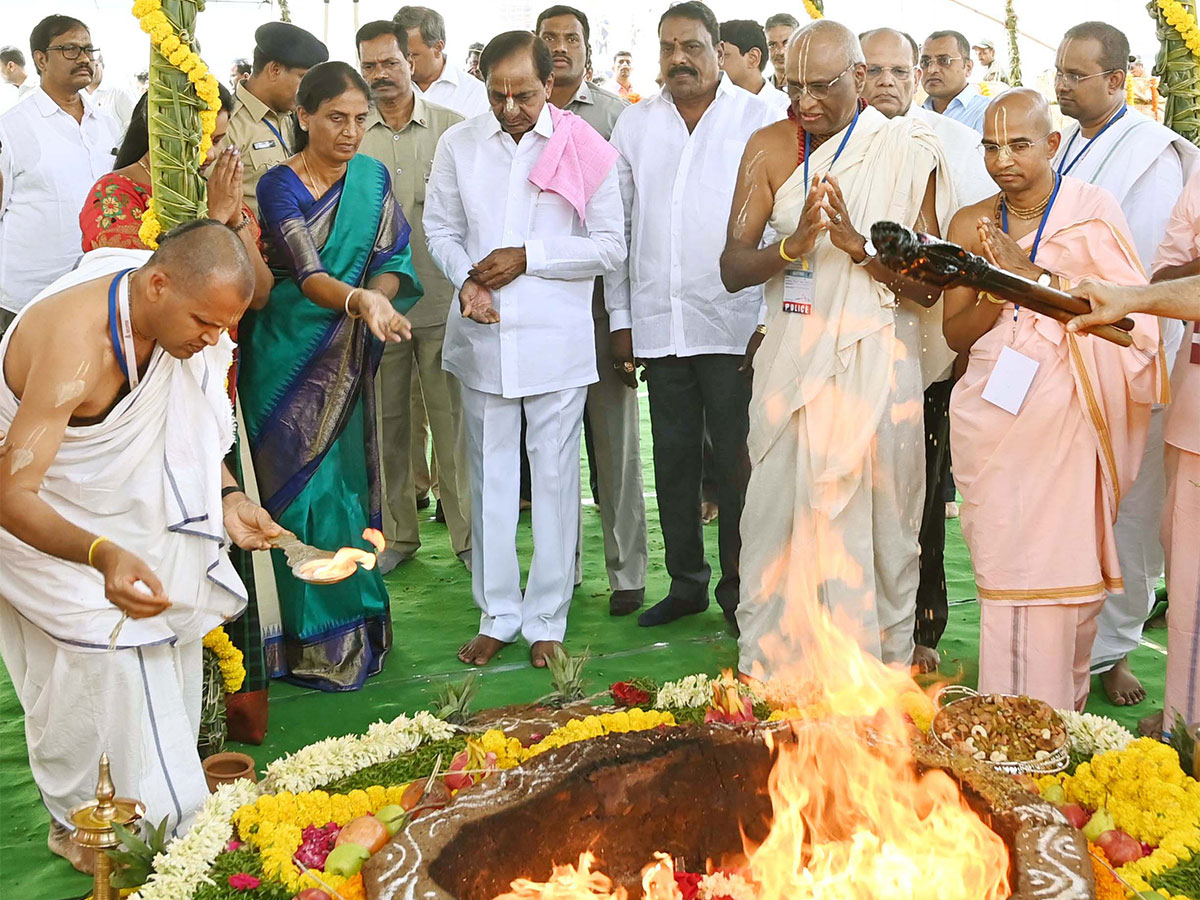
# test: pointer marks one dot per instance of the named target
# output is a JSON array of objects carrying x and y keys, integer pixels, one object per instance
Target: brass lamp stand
[{"x": 93, "y": 823}]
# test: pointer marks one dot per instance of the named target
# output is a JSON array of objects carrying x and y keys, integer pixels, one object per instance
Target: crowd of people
[{"x": 440, "y": 276}]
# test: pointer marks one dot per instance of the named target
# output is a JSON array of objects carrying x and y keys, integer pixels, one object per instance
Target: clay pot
[{"x": 225, "y": 768}]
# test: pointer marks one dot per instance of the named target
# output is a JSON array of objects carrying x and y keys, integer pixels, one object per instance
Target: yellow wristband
[
  {"x": 92, "y": 549},
  {"x": 783, "y": 254}
]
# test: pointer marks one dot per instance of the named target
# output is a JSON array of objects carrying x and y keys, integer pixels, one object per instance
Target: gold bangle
[
  {"x": 783, "y": 254},
  {"x": 761, "y": 329},
  {"x": 992, "y": 298},
  {"x": 353, "y": 291},
  {"x": 92, "y": 549}
]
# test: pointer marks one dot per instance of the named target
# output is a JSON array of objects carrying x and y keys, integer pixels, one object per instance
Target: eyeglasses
[
  {"x": 818, "y": 90},
  {"x": 900, "y": 73},
  {"x": 1070, "y": 79},
  {"x": 72, "y": 51},
  {"x": 943, "y": 60},
  {"x": 1013, "y": 149}
]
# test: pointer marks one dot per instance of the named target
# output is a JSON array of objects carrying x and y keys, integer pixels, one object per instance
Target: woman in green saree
[{"x": 338, "y": 245}]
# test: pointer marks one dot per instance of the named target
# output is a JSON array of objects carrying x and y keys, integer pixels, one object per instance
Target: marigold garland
[
  {"x": 509, "y": 751},
  {"x": 1184, "y": 22},
  {"x": 814, "y": 11},
  {"x": 177, "y": 50},
  {"x": 229, "y": 658}
]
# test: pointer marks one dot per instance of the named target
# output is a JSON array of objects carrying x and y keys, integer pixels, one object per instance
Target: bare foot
[
  {"x": 1122, "y": 686},
  {"x": 59, "y": 842},
  {"x": 1152, "y": 726},
  {"x": 480, "y": 649},
  {"x": 541, "y": 651},
  {"x": 926, "y": 660},
  {"x": 708, "y": 511}
]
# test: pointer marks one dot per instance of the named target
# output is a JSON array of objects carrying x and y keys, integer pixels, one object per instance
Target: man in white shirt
[
  {"x": 17, "y": 85},
  {"x": 523, "y": 261},
  {"x": 1144, "y": 166},
  {"x": 744, "y": 44},
  {"x": 114, "y": 100},
  {"x": 779, "y": 30},
  {"x": 439, "y": 80},
  {"x": 56, "y": 144},
  {"x": 892, "y": 79},
  {"x": 679, "y": 157},
  {"x": 612, "y": 420},
  {"x": 946, "y": 64}
]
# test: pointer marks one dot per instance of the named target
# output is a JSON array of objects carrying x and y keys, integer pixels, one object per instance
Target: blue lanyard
[
  {"x": 1037, "y": 239},
  {"x": 1086, "y": 147},
  {"x": 841, "y": 147},
  {"x": 283, "y": 143},
  {"x": 112, "y": 322}
]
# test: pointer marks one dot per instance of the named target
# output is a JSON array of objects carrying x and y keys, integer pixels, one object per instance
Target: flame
[{"x": 568, "y": 883}]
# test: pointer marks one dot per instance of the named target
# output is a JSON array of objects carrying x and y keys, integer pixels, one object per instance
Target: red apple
[
  {"x": 1119, "y": 847},
  {"x": 312, "y": 894},
  {"x": 1076, "y": 814}
]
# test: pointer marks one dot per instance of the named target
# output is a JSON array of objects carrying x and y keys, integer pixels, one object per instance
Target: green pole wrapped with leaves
[
  {"x": 182, "y": 105},
  {"x": 1014, "y": 52},
  {"x": 1178, "y": 65}
]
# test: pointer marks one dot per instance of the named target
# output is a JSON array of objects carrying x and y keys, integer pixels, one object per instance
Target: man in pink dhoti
[
  {"x": 1047, "y": 427},
  {"x": 1178, "y": 257}
]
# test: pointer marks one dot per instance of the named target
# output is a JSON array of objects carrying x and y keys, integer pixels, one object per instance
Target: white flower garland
[
  {"x": 693, "y": 691},
  {"x": 183, "y": 866},
  {"x": 334, "y": 758},
  {"x": 1091, "y": 734},
  {"x": 725, "y": 884}
]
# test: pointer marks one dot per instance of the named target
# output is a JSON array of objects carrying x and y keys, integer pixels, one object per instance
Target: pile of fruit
[{"x": 1099, "y": 827}]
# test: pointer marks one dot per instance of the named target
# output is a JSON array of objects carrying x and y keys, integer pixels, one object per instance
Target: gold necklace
[
  {"x": 318, "y": 186},
  {"x": 1031, "y": 213}
]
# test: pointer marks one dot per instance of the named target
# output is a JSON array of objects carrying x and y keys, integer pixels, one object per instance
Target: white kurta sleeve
[
  {"x": 616, "y": 284},
  {"x": 1145, "y": 210},
  {"x": 445, "y": 217},
  {"x": 600, "y": 251}
]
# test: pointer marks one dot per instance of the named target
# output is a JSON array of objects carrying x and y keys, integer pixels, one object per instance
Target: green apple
[
  {"x": 1100, "y": 822},
  {"x": 346, "y": 860},
  {"x": 393, "y": 817}
]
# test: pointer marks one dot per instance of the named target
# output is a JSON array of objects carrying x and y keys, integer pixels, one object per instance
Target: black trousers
[
  {"x": 932, "y": 609},
  {"x": 685, "y": 393}
]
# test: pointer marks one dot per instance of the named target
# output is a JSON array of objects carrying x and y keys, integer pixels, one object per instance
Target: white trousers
[
  {"x": 140, "y": 706},
  {"x": 493, "y": 429},
  {"x": 1139, "y": 552}
]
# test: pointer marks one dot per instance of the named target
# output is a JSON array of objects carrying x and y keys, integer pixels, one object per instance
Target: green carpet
[{"x": 432, "y": 615}]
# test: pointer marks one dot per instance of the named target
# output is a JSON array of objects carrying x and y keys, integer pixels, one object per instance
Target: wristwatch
[
  {"x": 1045, "y": 279},
  {"x": 868, "y": 253}
]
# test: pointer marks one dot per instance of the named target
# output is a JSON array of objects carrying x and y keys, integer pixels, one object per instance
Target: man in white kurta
[
  {"x": 114, "y": 515},
  {"x": 892, "y": 79},
  {"x": 834, "y": 504},
  {"x": 1144, "y": 166},
  {"x": 523, "y": 261}
]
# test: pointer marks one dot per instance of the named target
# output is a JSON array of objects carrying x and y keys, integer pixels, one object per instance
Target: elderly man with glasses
[
  {"x": 1144, "y": 166},
  {"x": 946, "y": 64},
  {"x": 56, "y": 145},
  {"x": 833, "y": 508},
  {"x": 892, "y": 79}
]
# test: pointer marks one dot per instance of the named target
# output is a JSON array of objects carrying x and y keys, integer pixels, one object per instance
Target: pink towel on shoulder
[{"x": 575, "y": 162}]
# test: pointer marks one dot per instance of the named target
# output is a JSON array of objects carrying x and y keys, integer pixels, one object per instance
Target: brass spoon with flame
[{"x": 317, "y": 566}]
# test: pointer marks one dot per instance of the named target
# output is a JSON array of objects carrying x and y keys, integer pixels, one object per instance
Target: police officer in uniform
[{"x": 261, "y": 126}]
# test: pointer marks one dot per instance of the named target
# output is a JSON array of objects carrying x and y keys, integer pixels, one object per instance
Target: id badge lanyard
[
  {"x": 118, "y": 302},
  {"x": 1037, "y": 238}
]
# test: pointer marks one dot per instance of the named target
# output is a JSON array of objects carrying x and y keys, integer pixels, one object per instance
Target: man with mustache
[
  {"x": 779, "y": 30},
  {"x": 522, "y": 212},
  {"x": 402, "y": 132},
  {"x": 892, "y": 79},
  {"x": 1145, "y": 166},
  {"x": 56, "y": 142},
  {"x": 611, "y": 419},
  {"x": 833, "y": 508},
  {"x": 622, "y": 73},
  {"x": 668, "y": 310},
  {"x": 261, "y": 126},
  {"x": 1048, "y": 427},
  {"x": 745, "y": 47},
  {"x": 946, "y": 64}
]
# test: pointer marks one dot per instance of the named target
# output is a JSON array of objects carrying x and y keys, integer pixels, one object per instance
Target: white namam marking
[{"x": 71, "y": 390}]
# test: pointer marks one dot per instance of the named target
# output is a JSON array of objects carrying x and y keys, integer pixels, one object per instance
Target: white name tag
[
  {"x": 262, "y": 145},
  {"x": 1010, "y": 380},
  {"x": 798, "y": 291}
]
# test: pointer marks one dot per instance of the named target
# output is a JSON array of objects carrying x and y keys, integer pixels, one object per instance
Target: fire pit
[{"x": 691, "y": 793}]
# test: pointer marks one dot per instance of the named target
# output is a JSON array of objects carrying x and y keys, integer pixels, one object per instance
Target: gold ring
[
  {"x": 837, "y": 219},
  {"x": 627, "y": 366}
]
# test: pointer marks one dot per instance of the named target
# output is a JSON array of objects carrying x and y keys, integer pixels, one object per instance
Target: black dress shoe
[
  {"x": 732, "y": 622},
  {"x": 438, "y": 514},
  {"x": 670, "y": 609},
  {"x": 622, "y": 603},
  {"x": 423, "y": 502}
]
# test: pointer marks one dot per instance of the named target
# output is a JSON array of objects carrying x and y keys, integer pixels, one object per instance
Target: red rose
[
  {"x": 243, "y": 882},
  {"x": 688, "y": 884},
  {"x": 627, "y": 695}
]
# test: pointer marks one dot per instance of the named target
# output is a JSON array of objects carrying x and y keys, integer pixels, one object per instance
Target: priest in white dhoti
[
  {"x": 1144, "y": 166},
  {"x": 892, "y": 79},
  {"x": 836, "y": 426},
  {"x": 115, "y": 515},
  {"x": 522, "y": 212}
]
